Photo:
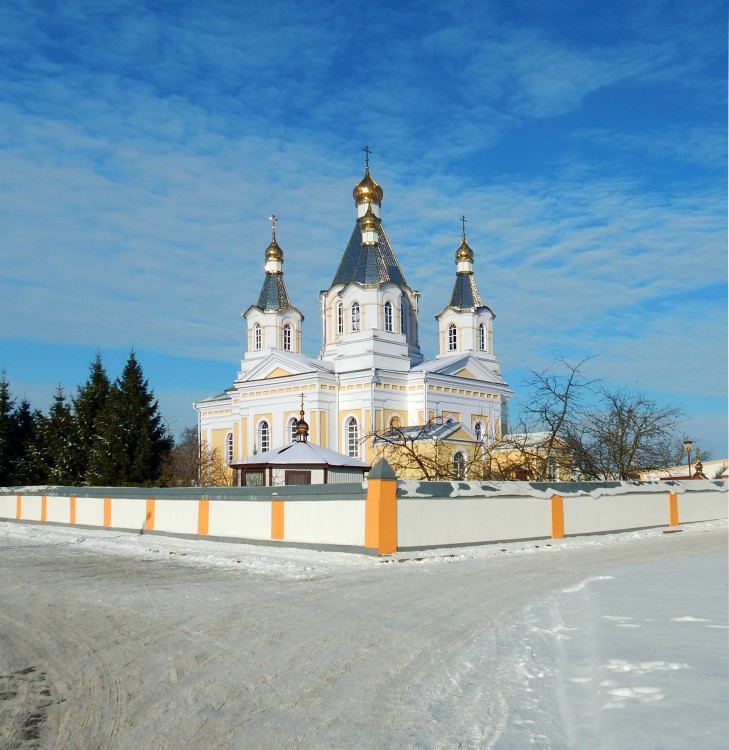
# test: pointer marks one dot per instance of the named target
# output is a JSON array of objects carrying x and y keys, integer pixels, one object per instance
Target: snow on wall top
[{"x": 413, "y": 488}]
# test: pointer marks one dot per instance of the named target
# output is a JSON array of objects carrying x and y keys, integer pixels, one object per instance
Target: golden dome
[
  {"x": 273, "y": 251},
  {"x": 302, "y": 428},
  {"x": 369, "y": 220},
  {"x": 367, "y": 191},
  {"x": 464, "y": 252}
]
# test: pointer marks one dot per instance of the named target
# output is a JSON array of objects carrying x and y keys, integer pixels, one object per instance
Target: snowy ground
[{"x": 115, "y": 640}]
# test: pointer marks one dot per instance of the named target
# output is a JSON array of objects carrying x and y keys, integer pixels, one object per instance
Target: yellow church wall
[{"x": 243, "y": 442}]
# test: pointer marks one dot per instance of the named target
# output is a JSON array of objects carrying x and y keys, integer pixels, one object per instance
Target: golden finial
[
  {"x": 367, "y": 190},
  {"x": 302, "y": 428},
  {"x": 464, "y": 252},
  {"x": 273, "y": 251}
]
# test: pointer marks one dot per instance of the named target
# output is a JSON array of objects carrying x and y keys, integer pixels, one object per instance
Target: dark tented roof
[
  {"x": 368, "y": 264},
  {"x": 273, "y": 294},
  {"x": 465, "y": 294}
]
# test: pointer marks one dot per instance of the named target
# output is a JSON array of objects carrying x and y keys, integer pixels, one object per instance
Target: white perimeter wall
[
  {"x": 58, "y": 509},
  {"x": 427, "y": 522},
  {"x": 246, "y": 520},
  {"x": 325, "y": 521},
  {"x": 584, "y": 514},
  {"x": 128, "y": 513},
  {"x": 89, "y": 511},
  {"x": 176, "y": 516},
  {"x": 694, "y": 506}
]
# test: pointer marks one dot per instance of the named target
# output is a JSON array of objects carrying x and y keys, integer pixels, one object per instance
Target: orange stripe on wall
[
  {"x": 44, "y": 507},
  {"x": 277, "y": 519},
  {"x": 672, "y": 509},
  {"x": 557, "y": 517},
  {"x": 18, "y": 507},
  {"x": 72, "y": 509},
  {"x": 203, "y": 517},
  {"x": 149, "y": 518},
  {"x": 107, "y": 512}
]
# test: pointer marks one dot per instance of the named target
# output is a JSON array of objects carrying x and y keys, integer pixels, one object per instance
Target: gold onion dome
[
  {"x": 369, "y": 220},
  {"x": 367, "y": 191},
  {"x": 464, "y": 252},
  {"x": 302, "y": 428},
  {"x": 273, "y": 251}
]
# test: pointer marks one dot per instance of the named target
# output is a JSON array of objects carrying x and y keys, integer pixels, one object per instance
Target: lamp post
[{"x": 687, "y": 446}]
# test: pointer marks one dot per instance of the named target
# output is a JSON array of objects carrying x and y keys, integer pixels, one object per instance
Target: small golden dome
[
  {"x": 302, "y": 428},
  {"x": 464, "y": 252},
  {"x": 369, "y": 220},
  {"x": 367, "y": 191},
  {"x": 273, "y": 251}
]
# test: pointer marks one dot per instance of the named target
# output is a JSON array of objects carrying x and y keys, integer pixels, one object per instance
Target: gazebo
[{"x": 299, "y": 462}]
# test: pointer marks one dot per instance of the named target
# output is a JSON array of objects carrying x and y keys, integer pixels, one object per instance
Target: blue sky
[{"x": 144, "y": 144}]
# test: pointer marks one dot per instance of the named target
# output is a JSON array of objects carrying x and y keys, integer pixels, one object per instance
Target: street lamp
[{"x": 687, "y": 446}]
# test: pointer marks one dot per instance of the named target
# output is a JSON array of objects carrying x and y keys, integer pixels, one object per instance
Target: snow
[{"x": 616, "y": 640}]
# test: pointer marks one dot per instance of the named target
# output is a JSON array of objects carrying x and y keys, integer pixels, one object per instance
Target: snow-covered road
[{"x": 112, "y": 640}]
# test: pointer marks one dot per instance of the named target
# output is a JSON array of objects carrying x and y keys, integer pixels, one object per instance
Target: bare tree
[
  {"x": 190, "y": 464},
  {"x": 535, "y": 448},
  {"x": 623, "y": 434}
]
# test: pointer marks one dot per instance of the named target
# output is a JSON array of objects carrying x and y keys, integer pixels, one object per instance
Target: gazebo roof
[{"x": 301, "y": 453}]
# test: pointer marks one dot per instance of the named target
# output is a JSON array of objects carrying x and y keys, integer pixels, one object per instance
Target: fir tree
[
  {"x": 7, "y": 404},
  {"x": 25, "y": 438},
  {"x": 132, "y": 439},
  {"x": 57, "y": 451},
  {"x": 89, "y": 407}
]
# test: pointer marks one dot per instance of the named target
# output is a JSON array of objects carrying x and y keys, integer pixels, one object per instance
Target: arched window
[
  {"x": 352, "y": 438},
  {"x": 452, "y": 339},
  {"x": 355, "y": 316},
  {"x": 459, "y": 466},
  {"x": 257, "y": 337},
  {"x": 229, "y": 449},
  {"x": 292, "y": 429},
  {"x": 403, "y": 330},
  {"x": 481, "y": 338},
  {"x": 287, "y": 337},
  {"x": 478, "y": 431},
  {"x": 388, "y": 316},
  {"x": 340, "y": 318},
  {"x": 264, "y": 436}
]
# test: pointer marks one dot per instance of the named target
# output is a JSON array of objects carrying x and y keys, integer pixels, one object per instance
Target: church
[{"x": 369, "y": 376}]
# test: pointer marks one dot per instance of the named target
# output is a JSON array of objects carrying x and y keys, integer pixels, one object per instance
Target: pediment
[
  {"x": 465, "y": 366},
  {"x": 278, "y": 372},
  {"x": 278, "y": 365}
]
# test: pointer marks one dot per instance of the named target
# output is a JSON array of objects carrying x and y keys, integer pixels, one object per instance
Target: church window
[
  {"x": 388, "y": 316},
  {"x": 403, "y": 330},
  {"x": 340, "y": 318},
  {"x": 287, "y": 337},
  {"x": 478, "y": 431},
  {"x": 229, "y": 449},
  {"x": 452, "y": 337},
  {"x": 459, "y": 466},
  {"x": 292, "y": 430},
  {"x": 264, "y": 436},
  {"x": 355, "y": 316},
  {"x": 481, "y": 338},
  {"x": 257, "y": 337},
  {"x": 352, "y": 438}
]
